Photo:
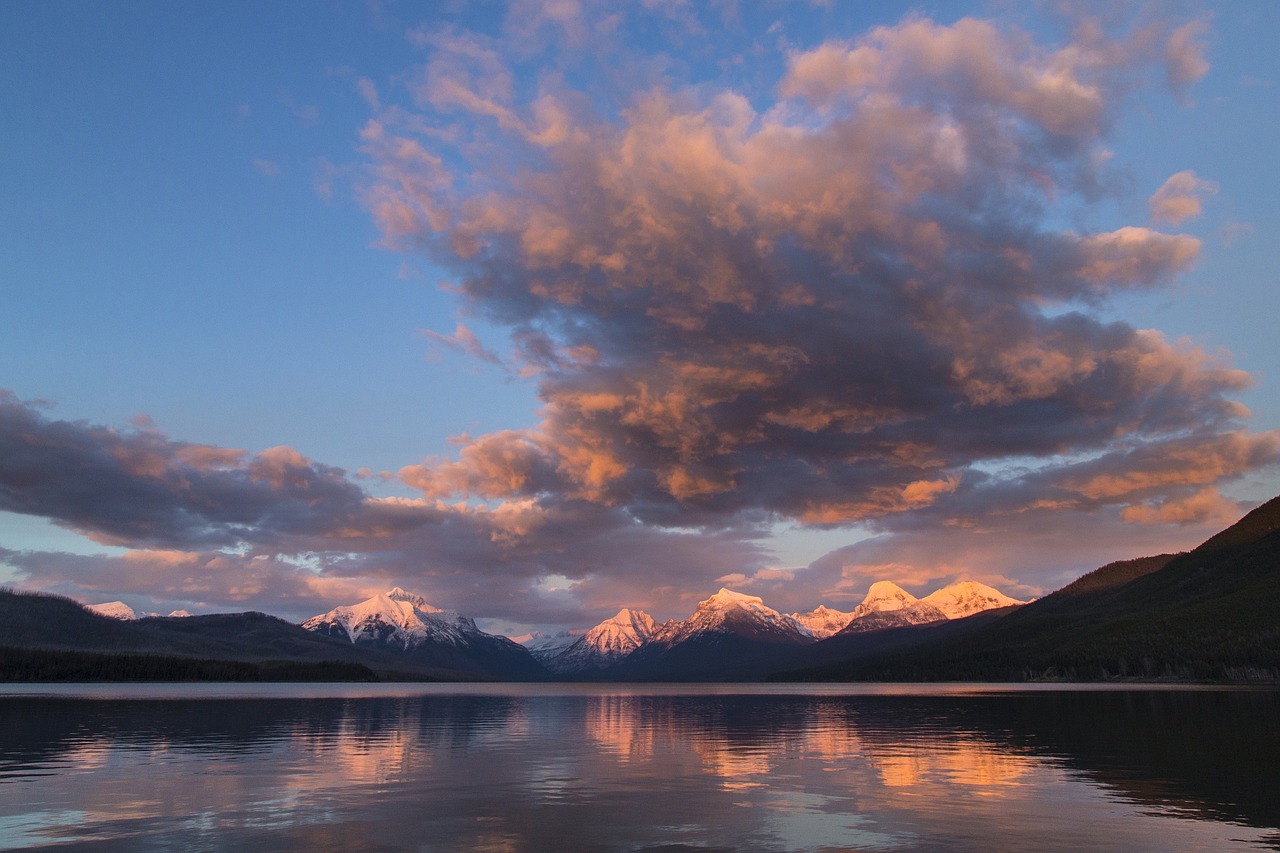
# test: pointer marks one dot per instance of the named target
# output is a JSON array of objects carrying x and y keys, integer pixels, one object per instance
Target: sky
[{"x": 545, "y": 309}]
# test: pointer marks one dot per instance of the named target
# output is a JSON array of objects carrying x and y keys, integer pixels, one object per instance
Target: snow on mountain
[
  {"x": 179, "y": 614},
  {"x": 544, "y": 646},
  {"x": 622, "y": 634},
  {"x": 396, "y": 618},
  {"x": 964, "y": 598},
  {"x": 402, "y": 622},
  {"x": 822, "y": 621},
  {"x": 606, "y": 643},
  {"x": 884, "y": 596},
  {"x": 730, "y": 612},
  {"x": 113, "y": 610},
  {"x": 888, "y": 605}
]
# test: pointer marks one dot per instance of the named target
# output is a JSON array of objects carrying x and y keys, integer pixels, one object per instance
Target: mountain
[
  {"x": 883, "y": 597},
  {"x": 113, "y": 610},
  {"x": 965, "y": 598},
  {"x": 888, "y": 605},
  {"x": 405, "y": 624},
  {"x": 730, "y": 613},
  {"x": 602, "y": 646},
  {"x": 1208, "y": 614},
  {"x": 730, "y": 636},
  {"x": 822, "y": 621},
  {"x": 545, "y": 646}
]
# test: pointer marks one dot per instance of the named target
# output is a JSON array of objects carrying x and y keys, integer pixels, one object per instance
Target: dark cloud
[{"x": 136, "y": 487}]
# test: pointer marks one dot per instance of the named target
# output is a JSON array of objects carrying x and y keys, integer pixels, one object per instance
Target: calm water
[{"x": 511, "y": 768}]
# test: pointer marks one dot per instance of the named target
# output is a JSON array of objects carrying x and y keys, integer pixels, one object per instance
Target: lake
[{"x": 638, "y": 767}]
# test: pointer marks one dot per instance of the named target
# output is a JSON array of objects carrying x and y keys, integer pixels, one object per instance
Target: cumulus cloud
[{"x": 843, "y": 306}]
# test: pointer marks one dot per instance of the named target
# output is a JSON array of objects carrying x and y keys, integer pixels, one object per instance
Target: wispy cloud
[{"x": 465, "y": 341}]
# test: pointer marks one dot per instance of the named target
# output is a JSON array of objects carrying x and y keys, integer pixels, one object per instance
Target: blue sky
[{"x": 192, "y": 249}]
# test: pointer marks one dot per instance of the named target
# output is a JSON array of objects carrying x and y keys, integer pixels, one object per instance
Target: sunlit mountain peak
[
  {"x": 822, "y": 621},
  {"x": 113, "y": 610},
  {"x": 883, "y": 596},
  {"x": 964, "y": 598},
  {"x": 621, "y": 634},
  {"x": 729, "y": 598},
  {"x": 606, "y": 643}
]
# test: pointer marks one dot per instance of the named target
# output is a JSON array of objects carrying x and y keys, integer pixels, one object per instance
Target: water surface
[{"x": 638, "y": 767}]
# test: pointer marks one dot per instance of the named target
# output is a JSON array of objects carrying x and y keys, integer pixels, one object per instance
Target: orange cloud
[{"x": 1206, "y": 505}]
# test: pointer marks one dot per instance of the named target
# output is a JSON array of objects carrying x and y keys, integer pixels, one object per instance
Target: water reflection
[{"x": 536, "y": 770}]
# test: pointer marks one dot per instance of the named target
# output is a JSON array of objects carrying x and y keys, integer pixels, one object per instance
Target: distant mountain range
[
  {"x": 734, "y": 636},
  {"x": 1206, "y": 614},
  {"x": 120, "y": 610}
]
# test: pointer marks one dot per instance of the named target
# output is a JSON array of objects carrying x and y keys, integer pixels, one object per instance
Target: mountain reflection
[{"x": 535, "y": 770}]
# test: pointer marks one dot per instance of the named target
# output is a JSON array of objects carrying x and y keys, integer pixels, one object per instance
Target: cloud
[
  {"x": 368, "y": 90},
  {"x": 969, "y": 66},
  {"x": 1184, "y": 57},
  {"x": 1179, "y": 198},
  {"x": 200, "y": 581},
  {"x": 1206, "y": 505},
  {"x": 849, "y": 304},
  {"x": 270, "y": 168},
  {"x": 278, "y": 531},
  {"x": 464, "y": 340}
]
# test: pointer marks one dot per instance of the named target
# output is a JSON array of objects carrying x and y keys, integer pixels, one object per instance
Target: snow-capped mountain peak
[
  {"x": 397, "y": 618},
  {"x": 888, "y": 605},
  {"x": 623, "y": 633},
  {"x": 398, "y": 594},
  {"x": 822, "y": 621},
  {"x": 730, "y": 612},
  {"x": 964, "y": 598},
  {"x": 404, "y": 623},
  {"x": 537, "y": 642},
  {"x": 726, "y": 597},
  {"x": 606, "y": 643},
  {"x": 113, "y": 610},
  {"x": 882, "y": 597}
]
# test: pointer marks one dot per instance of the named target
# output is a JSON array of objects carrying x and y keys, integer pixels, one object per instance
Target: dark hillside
[{"x": 48, "y": 623}]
